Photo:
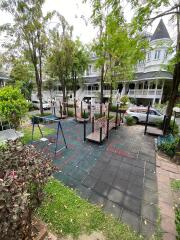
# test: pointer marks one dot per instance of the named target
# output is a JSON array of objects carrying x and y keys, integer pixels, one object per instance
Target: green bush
[
  {"x": 86, "y": 115},
  {"x": 13, "y": 105},
  {"x": 129, "y": 120},
  {"x": 124, "y": 100},
  {"x": 177, "y": 221},
  {"x": 113, "y": 108},
  {"x": 70, "y": 113},
  {"x": 174, "y": 130},
  {"x": 169, "y": 147}
]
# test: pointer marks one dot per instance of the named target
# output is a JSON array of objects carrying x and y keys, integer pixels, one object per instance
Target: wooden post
[
  {"x": 60, "y": 109},
  {"x": 81, "y": 108},
  {"x": 84, "y": 130},
  {"x": 116, "y": 115},
  {"x": 147, "y": 117},
  {"x": 93, "y": 124},
  {"x": 90, "y": 111},
  {"x": 75, "y": 109},
  {"x": 67, "y": 106},
  {"x": 100, "y": 134}
]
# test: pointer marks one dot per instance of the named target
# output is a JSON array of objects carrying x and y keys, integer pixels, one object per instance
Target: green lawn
[
  {"x": 67, "y": 214},
  {"x": 28, "y": 133}
]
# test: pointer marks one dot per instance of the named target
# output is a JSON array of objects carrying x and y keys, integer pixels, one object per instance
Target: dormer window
[
  {"x": 149, "y": 56},
  {"x": 157, "y": 54}
]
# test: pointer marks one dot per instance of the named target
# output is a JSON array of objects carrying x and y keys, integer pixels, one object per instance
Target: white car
[
  {"x": 36, "y": 104},
  {"x": 139, "y": 114}
]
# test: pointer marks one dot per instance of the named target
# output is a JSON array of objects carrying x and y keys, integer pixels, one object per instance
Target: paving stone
[
  {"x": 102, "y": 188},
  {"x": 114, "y": 163},
  {"x": 83, "y": 191},
  {"x": 78, "y": 174},
  {"x": 131, "y": 219},
  {"x": 90, "y": 181},
  {"x": 150, "y": 197},
  {"x": 169, "y": 236},
  {"x": 97, "y": 199},
  {"x": 95, "y": 172},
  {"x": 123, "y": 174},
  {"x": 150, "y": 212},
  {"x": 132, "y": 204},
  {"x": 135, "y": 179},
  {"x": 150, "y": 167},
  {"x": 108, "y": 177},
  {"x": 166, "y": 209},
  {"x": 135, "y": 191},
  {"x": 138, "y": 163},
  {"x": 147, "y": 228},
  {"x": 138, "y": 171},
  {"x": 150, "y": 184},
  {"x": 113, "y": 208},
  {"x": 167, "y": 224},
  {"x": 116, "y": 196},
  {"x": 151, "y": 175},
  {"x": 120, "y": 184}
]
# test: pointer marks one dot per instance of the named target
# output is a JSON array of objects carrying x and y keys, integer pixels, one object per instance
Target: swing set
[{"x": 37, "y": 120}]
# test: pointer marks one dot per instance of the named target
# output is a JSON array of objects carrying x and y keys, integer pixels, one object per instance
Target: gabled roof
[{"x": 160, "y": 32}]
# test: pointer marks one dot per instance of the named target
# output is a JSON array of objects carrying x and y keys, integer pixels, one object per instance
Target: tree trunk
[
  {"x": 101, "y": 90},
  {"x": 176, "y": 79},
  {"x": 174, "y": 91},
  {"x": 39, "y": 88},
  {"x": 111, "y": 93}
]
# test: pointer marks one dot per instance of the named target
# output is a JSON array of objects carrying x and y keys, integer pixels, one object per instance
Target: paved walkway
[
  {"x": 166, "y": 171},
  {"x": 119, "y": 175}
]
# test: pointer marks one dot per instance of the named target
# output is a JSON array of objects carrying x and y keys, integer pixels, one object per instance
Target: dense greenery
[
  {"x": 169, "y": 147},
  {"x": 129, "y": 120},
  {"x": 13, "y": 105},
  {"x": 67, "y": 214},
  {"x": 175, "y": 185},
  {"x": 23, "y": 173},
  {"x": 174, "y": 128}
]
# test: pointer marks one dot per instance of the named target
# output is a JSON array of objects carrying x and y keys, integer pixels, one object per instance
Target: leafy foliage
[
  {"x": 169, "y": 147},
  {"x": 13, "y": 106},
  {"x": 177, "y": 221},
  {"x": 129, "y": 120},
  {"x": 175, "y": 185},
  {"x": 23, "y": 173},
  {"x": 124, "y": 100},
  {"x": 174, "y": 128}
]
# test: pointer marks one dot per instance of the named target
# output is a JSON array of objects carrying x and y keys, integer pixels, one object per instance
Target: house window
[
  {"x": 149, "y": 56},
  {"x": 157, "y": 54}
]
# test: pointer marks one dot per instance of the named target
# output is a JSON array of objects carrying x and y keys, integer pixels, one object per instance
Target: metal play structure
[{"x": 38, "y": 120}]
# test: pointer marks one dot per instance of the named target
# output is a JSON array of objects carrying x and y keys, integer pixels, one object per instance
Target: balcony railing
[
  {"x": 94, "y": 93},
  {"x": 145, "y": 92}
]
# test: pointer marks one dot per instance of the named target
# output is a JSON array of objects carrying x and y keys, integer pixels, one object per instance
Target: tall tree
[
  {"x": 145, "y": 14},
  {"x": 80, "y": 63},
  {"x": 22, "y": 76},
  {"x": 28, "y": 34},
  {"x": 118, "y": 47}
]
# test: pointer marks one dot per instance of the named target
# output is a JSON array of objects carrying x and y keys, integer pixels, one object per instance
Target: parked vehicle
[
  {"x": 139, "y": 114},
  {"x": 46, "y": 105}
]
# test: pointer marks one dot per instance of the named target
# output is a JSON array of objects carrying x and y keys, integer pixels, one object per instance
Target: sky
[{"x": 78, "y": 15}]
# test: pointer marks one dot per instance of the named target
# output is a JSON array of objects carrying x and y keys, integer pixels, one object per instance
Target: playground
[{"x": 119, "y": 174}]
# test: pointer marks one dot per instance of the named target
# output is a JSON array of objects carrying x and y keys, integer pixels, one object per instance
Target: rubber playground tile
[
  {"x": 132, "y": 204},
  {"x": 150, "y": 212},
  {"x": 89, "y": 181},
  {"x": 131, "y": 219},
  {"x": 113, "y": 209},
  {"x": 120, "y": 184},
  {"x": 97, "y": 199},
  {"x": 116, "y": 196},
  {"x": 135, "y": 191},
  {"x": 101, "y": 188}
]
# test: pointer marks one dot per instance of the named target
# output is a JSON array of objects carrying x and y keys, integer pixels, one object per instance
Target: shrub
[
  {"x": 70, "y": 113},
  {"x": 129, "y": 120},
  {"x": 13, "y": 105},
  {"x": 113, "y": 108},
  {"x": 85, "y": 116},
  {"x": 169, "y": 147},
  {"x": 174, "y": 130},
  {"x": 23, "y": 174},
  {"x": 124, "y": 100},
  {"x": 177, "y": 220}
]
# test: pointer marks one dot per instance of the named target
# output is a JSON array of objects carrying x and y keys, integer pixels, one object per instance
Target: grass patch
[
  {"x": 175, "y": 185},
  {"x": 67, "y": 214},
  {"x": 28, "y": 133}
]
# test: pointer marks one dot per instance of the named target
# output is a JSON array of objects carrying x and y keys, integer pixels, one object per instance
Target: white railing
[
  {"x": 145, "y": 92},
  {"x": 96, "y": 92}
]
